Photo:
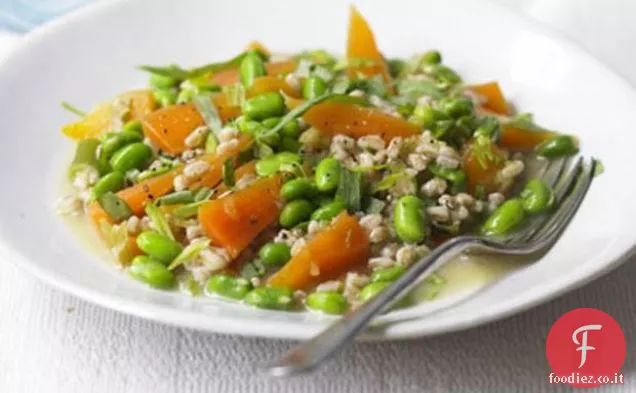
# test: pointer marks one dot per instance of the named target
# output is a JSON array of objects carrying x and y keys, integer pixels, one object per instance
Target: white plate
[{"x": 91, "y": 56}]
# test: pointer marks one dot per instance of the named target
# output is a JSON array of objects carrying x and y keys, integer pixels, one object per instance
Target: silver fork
[{"x": 571, "y": 179}]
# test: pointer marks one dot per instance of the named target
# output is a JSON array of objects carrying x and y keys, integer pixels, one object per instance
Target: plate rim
[{"x": 228, "y": 325}]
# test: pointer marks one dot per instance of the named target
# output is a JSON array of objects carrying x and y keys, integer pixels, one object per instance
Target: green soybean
[
  {"x": 291, "y": 129},
  {"x": 298, "y": 188},
  {"x": 432, "y": 57},
  {"x": 456, "y": 107},
  {"x": 273, "y": 298},
  {"x": 327, "y": 302},
  {"x": 559, "y": 146},
  {"x": 153, "y": 273},
  {"x": 389, "y": 274},
  {"x": 372, "y": 289},
  {"x": 112, "y": 182},
  {"x": 159, "y": 247},
  {"x": 329, "y": 211},
  {"x": 270, "y": 122},
  {"x": 275, "y": 254},
  {"x": 134, "y": 126},
  {"x": 537, "y": 197},
  {"x": 504, "y": 219},
  {"x": 251, "y": 68},
  {"x": 295, "y": 212},
  {"x": 162, "y": 82},
  {"x": 114, "y": 206},
  {"x": 134, "y": 156},
  {"x": 424, "y": 116},
  {"x": 410, "y": 219},
  {"x": 117, "y": 141},
  {"x": 264, "y": 105},
  {"x": 230, "y": 287},
  {"x": 165, "y": 97},
  {"x": 314, "y": 87},
  {"x": 290, "y": 144},
  {"x": 140, "y": 259},
  {"x": 328, "y": 174},
  {"x": 272, "y": 164}
]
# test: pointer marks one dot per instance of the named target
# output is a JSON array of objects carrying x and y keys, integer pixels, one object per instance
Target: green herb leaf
[
  {"x": 208, "y": 112},
  {"x": 369, "y": 168},
  {"x": 203, "y": 194},
  {"x": 188, "y": 211},
  {"x": 354, "y": 62},
  {"x": 525, "y": 121},
  {"x": 388, "y": 182},
  {"x": 375, "y": 206},
  {"x": 415, "y": 89},
  {"x": 228, "y": 172},
  {"x": 350, "y": 189},
  {"x": 73, "y": 109},
  {"x": 175, "y": 198},
  {"x": 158, "y": 220},
  {"x": 293, "y": 114},
  {"x": 457, "y": 177},
  {"x": 253, "y": 269},
  {"x": 192, "y": 250},
  {"x": 235, "y": 94},
  {"x": 171, "y": 71},
  {"x": 116, "y": 208}
]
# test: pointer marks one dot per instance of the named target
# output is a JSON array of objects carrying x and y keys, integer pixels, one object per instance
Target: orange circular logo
[{"x": 585, "y": 348}]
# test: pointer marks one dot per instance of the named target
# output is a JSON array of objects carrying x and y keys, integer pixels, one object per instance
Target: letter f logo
[{"x": 583, "y": 344}]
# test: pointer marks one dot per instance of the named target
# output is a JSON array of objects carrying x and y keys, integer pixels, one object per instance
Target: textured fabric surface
[{"x": 51, "y": 342}]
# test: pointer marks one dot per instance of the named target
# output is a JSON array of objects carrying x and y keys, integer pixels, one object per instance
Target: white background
[{"x": 52, "y": 342}]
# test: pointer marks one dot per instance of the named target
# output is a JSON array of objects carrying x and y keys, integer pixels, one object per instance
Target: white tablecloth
[{"x": 52, "y": 342}]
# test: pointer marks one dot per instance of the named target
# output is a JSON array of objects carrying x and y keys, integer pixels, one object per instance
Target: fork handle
[{"x": 311, "y": 353}]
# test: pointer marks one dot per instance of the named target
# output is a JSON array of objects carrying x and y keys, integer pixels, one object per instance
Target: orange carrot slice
[
  {"x": 267, "y": 84},
  {"x": 361, "y": 46},
  {"x": 483, "y": 172},
  {"x": 355, "y": 121},
  {"x": 234, "y": 221},
  {"x": 495, "y": 101},
  {"x": 340, "y": 247},
  {"x": 519, "y": 139},
  {"x": 168, "y": 127}
]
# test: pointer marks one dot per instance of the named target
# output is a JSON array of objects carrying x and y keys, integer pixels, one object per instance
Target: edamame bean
[
  {"x": 298, "y": 188},
  {"x": 251, "y": 127},
  {"x": 328, "y": 174},
  {"x": 159, "y": 247},
  {"x": 537, "y": 197},
  {"x": 271, "y": 164},
  {"x": 133, "y": 125},
  {"x": 165, "y": 97},
  {"x": 290, "y": 144},
  {"x": 273, "y": 298},
  {"x": 176, "y": 198},
  {"x": 134, "y": 156},
  {"x": 227, "y": 286},
  {"x": 117, "y": 141},
  {"x": 425, "y": 116},
  {"x": 314, "y": 87},
  {"x": 112, "y": 182},
  {"x": 295, "y": 212},
  {"x": 559, "y": 146},
  {"x": 389, "y": 274},
  {"x": 371, "y": 290},
  {"x": 328, "y": 211},
  {"x": 152, "y": 273},
  {"x": 410, "y": 219},
  {"x": 264, "y": 105},
  {"x": 443, "y": 74},
  {"x": 162, "y": 82},
  {"x": 327, "y": 302},
  {"x": 504, "y": 219},
  {"x": 270, "y": 122},
  {"x": 251, "y": 68},
  {"x": 432, "y": 57},
  {"x": 139, "y": 259},
  {"x": 275, "y": 254},
  {"x": 456, "y": 107},
  {"x": 396, "y": 66},
  {"x": 291, "y": 129}
]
